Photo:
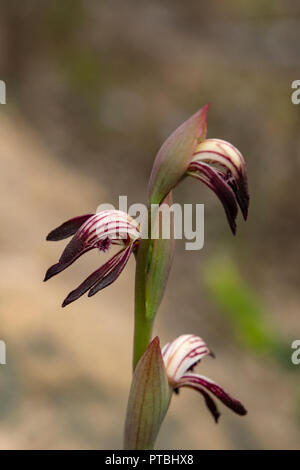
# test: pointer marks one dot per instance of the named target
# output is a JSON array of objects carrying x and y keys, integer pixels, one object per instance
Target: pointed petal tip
[
  {"x": 53, "y": 236},
  {"x": 241, "y": 410},
  {"x": 50, "y": 272},
  {"x": 233, "y": 227},
  {"x": 68, "y": 228},
  {"x": 154, "y": 347},
  {"x": 242, "y": 193},
  {"x": 202, "y": 112},
  {"x": 205, "y": 108},
  {"x": 49, "y": 237},
  {"x": 65, "y": 302},
  {"x": 245, "y": 211},
  {"x": 155, "y": 341}
]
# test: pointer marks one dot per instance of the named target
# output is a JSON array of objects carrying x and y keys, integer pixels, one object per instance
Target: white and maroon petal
[
  {"x": 112, "y": 224},
  {"x": 214, "y": 180},
  {"x": 182, "y": 354},
  {"x": 199, "y": 382},
  {"x": 68, "y": 228},
  {"x": 217, "y": 152},
  {"x": 98, "y": 231},
  {"x": 114, "y": 273},
  {"x": 94, "y": 278}
]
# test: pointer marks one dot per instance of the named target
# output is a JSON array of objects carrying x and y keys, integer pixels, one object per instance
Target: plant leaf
[
  {"x": 175, "y": 154},
  {"x": 149, "y": 400}
]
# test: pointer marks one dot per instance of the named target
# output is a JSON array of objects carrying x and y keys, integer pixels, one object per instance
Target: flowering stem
[
  {"x": 143, "y": 325},
  {"x": 153, "y": 261}
]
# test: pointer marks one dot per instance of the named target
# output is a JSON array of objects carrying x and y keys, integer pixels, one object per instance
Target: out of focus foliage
[{"x": 244, "y": 309}]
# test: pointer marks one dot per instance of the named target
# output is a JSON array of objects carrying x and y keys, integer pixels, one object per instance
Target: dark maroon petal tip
[
  {"x": 240, "y": 189},
  {"x": 68, "y": 228},
  {"x": 83, "y": 287},
  {"x": 52, "y": 271},
  {"x": 59, "y": 267},
  {"x": 227, "y": 399},
  {"x": 209, "y": 401},
  {"x": 211, "y": 405},
  {"x": 243, "y": 197},
  {"x": 198, "y": 381}
]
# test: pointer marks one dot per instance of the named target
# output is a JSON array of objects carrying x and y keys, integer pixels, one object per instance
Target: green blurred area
[{"x": 243, "y": 308}]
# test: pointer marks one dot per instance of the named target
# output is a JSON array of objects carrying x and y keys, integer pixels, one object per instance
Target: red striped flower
[
  {"x": 100, "y": 230},
  {"x": 180, "y": 357},
  {"x": 221, "y": 166},
  {"x": 215, "y": 162}
]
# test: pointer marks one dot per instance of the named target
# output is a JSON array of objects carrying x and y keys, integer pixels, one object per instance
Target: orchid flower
[
  {"x": 180, "y": 357},
  {"x": 215, "y": 162},
  {"x": 221, "y": 166},
  {"x": 158, "y": 374},
  {"x": 100, "y": 230}
]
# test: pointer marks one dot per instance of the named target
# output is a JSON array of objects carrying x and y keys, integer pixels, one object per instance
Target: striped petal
[
  {"x": 68, "y": 228},
  {"x": 111, "y": 224},
  {"x": 199, "y": 382},
  {"x": 98, "y": 231},
  {"x": 182, "y": 354},
  {"x": 215, "y": 181},
  {"x": 229, "y": 165}
]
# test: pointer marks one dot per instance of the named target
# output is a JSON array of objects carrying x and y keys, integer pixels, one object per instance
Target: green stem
[{"x": 143, "y": 325}]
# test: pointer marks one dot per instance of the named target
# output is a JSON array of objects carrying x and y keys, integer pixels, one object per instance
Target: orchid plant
[{"x": 158, "y": 373}]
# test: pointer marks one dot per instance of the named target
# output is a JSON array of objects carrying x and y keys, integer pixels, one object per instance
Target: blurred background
[{"x": 93, "y": 89}]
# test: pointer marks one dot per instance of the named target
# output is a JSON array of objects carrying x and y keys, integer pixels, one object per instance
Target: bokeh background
[{"x": 93, "y": 89}]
